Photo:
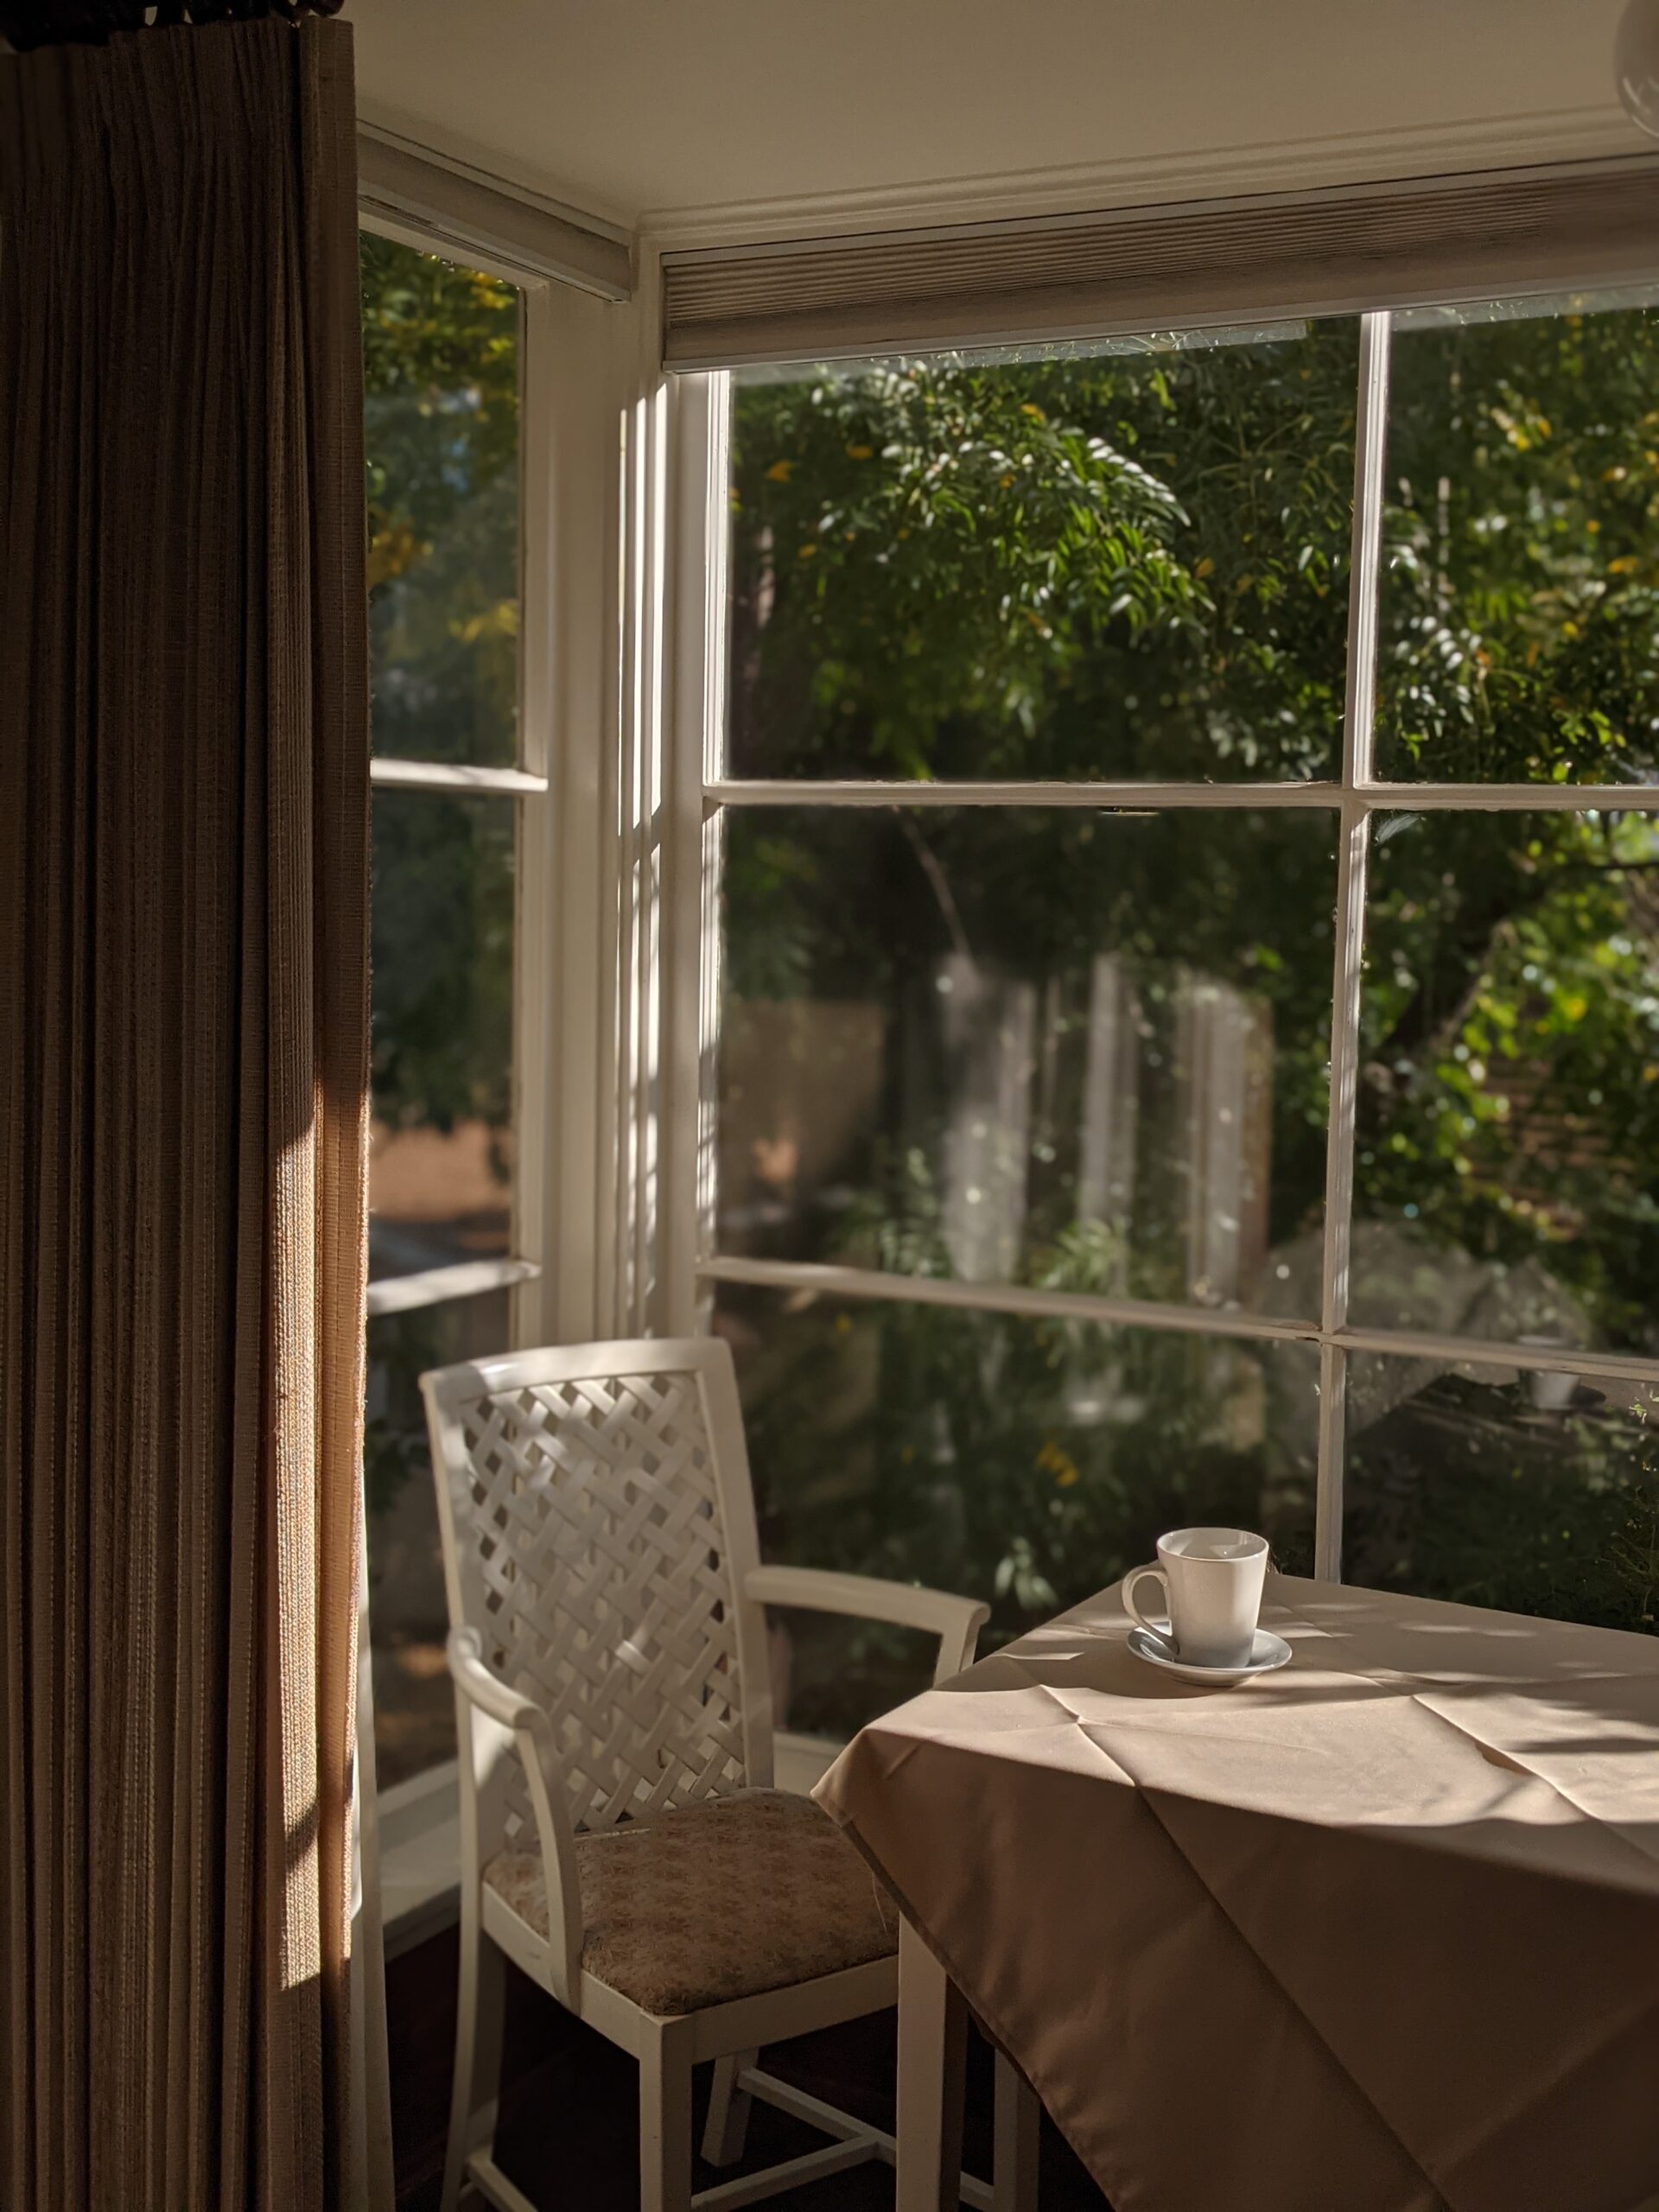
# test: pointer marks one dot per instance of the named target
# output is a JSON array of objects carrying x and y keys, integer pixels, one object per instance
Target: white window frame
[
  {"x": 526, "y": 783},
  {"x": 696, "y": 1267},
  {"x": 622, "y": 797},
  {"x": 575, "y": 348}
]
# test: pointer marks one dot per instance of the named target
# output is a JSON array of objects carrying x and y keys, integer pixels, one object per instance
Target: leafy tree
[
  {"x": 1135, "y": 565},
  {"x": 441, "y": 366},
  {"x": 1127, "y": 565}
]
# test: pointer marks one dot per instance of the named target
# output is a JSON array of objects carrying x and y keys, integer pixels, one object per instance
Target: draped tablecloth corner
[{"x": 1378, "y": 1933}]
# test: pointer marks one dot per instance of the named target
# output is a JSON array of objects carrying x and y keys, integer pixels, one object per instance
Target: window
[
  {"x": 442, "y": 357},
  {"x": 1186, "y": 1035}
]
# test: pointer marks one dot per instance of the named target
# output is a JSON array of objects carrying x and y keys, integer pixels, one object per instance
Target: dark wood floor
[{"x": 568, "y": 2118}]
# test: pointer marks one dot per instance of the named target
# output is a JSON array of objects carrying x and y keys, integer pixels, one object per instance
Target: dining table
[{"x": 1377, "y": 1932}]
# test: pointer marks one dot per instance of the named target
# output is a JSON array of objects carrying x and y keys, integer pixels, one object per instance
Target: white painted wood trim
[
  {"x": 629, "y": 1296},
  {"x": 436, "y": 1285},
  {"x": 1501, "y": 1356},
  {"x": 1373, "y": 797},
  {"x": 1209, "y": 171},
  {"x": 699, "y": 421},
  {"x": 867, "y": 1283},
  {"x": 409, "y": 191},
  {"x": 584, "y": 345},
  {"x": 1135, "y": 798},
  {"x": 452, "y": 776},
  {"x": 954, "y": 1620},
  {"x": 870, "y": 1285},
  {"x": 1509, "y": 798},
  {"x": 535, "y": 871},
  {"x": 1365, "y": 565}
]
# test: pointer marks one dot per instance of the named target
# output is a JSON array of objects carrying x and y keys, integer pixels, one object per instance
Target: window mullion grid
[
  {"x": 625, "y": 1043},
  {"x": 711, "y": 948},
  {"x": 1359, "y": 715},
  {"x": 442, "y": 1286},
  {"x": 1353, "y": 800}
]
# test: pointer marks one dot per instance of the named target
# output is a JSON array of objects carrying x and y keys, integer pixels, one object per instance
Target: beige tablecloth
[{"x": 1378, "y": 1933}]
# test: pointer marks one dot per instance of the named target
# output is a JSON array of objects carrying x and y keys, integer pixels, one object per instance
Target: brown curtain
[{"x": 183, "y": 1051}]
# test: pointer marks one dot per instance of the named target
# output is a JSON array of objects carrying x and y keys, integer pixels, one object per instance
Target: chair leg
[
  {"x": 665, "y": 2121},
  {"x": 1019, "y": 2132},
  {"x": 478, "y": 2052},
  {"x": 728, "y": 2126}
]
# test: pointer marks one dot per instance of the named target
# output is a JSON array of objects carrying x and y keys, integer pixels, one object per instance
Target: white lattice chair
[{"x": 620, "y": 1839}]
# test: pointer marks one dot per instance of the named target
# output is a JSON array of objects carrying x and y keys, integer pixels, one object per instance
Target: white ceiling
[{"x": 701, "y": 117}]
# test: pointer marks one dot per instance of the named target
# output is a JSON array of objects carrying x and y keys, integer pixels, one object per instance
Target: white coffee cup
[{"x": 1212, "y": 1581}]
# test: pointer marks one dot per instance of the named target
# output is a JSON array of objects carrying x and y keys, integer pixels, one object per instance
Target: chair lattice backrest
[{"x": 597, "y": 1539}]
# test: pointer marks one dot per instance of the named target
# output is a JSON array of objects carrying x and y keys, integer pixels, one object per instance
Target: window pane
[
  {"x": 440, "y": 420},
  {"x": 1079, "y": 1050},
  {"x": 439, "y": 1177},
  {"x": 1535, "y": 1493},
  {"x": 1133, "y": 564},
  {"x": 1028, "y": 1462},
  {"x": 414, "y": 1711},
  {"x": 1507, "y": 1174},
  {"x": 1519, "y": 573}
]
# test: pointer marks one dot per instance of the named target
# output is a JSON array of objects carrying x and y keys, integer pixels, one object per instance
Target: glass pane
[
  {"x": 1535, "y": 1493},
  {"x": 414, "y": 1712},
  {"x": 1506, "y": 1172},
  {"x": 1078, "y": 1050},
  {"x": 443, "y": 908},
  {"x": 1132, "y": 564},
  {"x": 441, "y": 421},
  {"x": 1028, "y": 1462},
  {"x": 1518, "y": 600}
]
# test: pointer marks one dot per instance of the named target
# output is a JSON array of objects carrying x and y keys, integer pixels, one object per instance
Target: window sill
[{"x": 420, "y": 1840}]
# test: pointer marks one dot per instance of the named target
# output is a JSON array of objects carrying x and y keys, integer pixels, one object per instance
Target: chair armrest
[
  {"x": 531, "y": 1734},
  {"x": 956, "y": 1621},
  {"x": 484, "y": 1686}
]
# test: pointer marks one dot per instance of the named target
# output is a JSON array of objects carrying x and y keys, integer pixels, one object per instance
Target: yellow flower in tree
[
  {"x": 780, "y": 471},
  {"x": 1054, "y": 1461}
]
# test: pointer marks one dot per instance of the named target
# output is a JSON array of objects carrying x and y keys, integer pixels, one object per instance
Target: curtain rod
[{"x": 30, "y": 23}]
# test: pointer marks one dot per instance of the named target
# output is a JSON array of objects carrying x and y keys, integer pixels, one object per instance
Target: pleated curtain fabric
[{"x": 183, "y": 1066}]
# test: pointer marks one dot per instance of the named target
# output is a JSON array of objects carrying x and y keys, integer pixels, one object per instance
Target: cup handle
[{"x": 1152, "y": 1628}]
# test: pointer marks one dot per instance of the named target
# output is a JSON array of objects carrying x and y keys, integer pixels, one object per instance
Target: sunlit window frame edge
[
  {"x": 392, "y": 1830},
  {"x": 440, "y": 1285},
  {"x": 396, "y": 1822},
  {"x": 1376, "y": 797},
  {"x": 869, "y": 1286},
  {"x": 452, "y": 776}
]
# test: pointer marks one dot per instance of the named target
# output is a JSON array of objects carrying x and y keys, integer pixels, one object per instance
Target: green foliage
[
  {"x": 442, "y": 919},
  {"x": 1465, "y": 1493},
  {"x": 441, "y": 376},
  {"x": 1519, "y": 617},
  {"x": 1136, "y": 565},
  {"x": 441, "y": 363},
  {"x": 1131, "y": 566}
]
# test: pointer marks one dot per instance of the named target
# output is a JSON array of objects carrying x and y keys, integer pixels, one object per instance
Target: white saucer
[{"x": 1267, "y": 1652}]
